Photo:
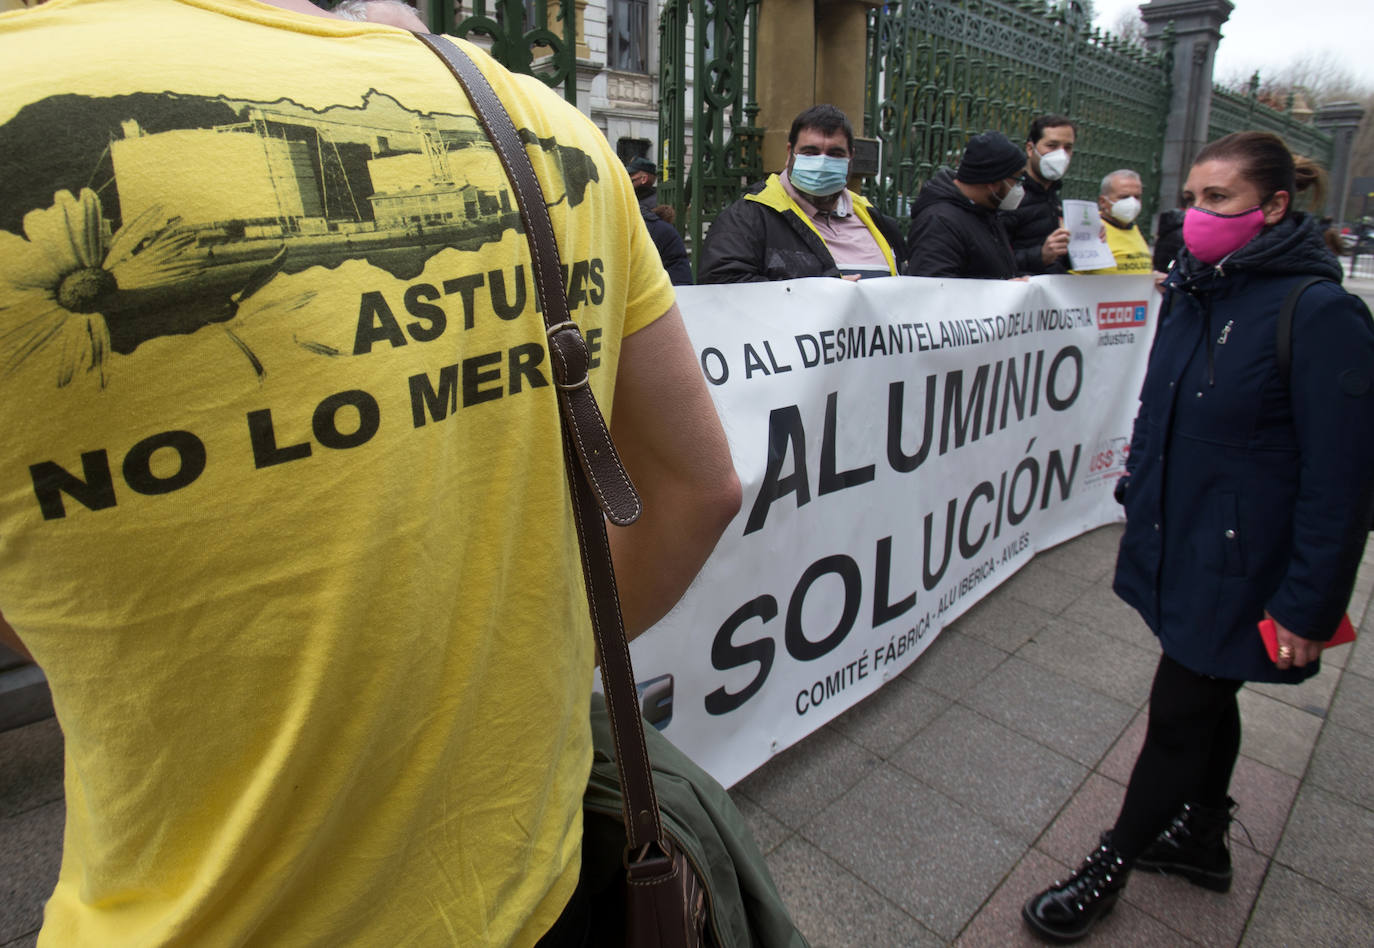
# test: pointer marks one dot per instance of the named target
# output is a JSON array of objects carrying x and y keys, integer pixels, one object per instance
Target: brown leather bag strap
[{"x": 596, "y": 478}]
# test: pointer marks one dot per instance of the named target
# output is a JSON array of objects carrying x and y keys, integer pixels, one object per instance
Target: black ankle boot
[
  {"x": 1068, "y": 910},
  {"x": 1195, "y": 846}
]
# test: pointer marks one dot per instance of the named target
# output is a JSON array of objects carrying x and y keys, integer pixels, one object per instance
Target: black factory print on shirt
[{"x": 154, "y": 215}]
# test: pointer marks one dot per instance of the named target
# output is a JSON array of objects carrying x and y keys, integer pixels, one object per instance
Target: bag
[
  {"x": 665, "y": 899},
  {"x": 742, "y": 905}
]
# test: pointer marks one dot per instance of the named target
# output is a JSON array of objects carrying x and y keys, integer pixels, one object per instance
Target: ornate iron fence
[
  {"x": 727, "y": 147},
  {"x": 943, "y": 70},
  {"x": 519, "y": 36},
  {"x": 1243, "y": 111}
]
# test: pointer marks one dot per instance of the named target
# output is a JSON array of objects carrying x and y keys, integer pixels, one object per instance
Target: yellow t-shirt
[
  {"x": 283, "y": 513},
  {"x": 1128, "y": 247}
]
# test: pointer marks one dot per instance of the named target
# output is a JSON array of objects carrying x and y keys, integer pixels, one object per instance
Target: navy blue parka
[{"x": 1242, "y": 495}]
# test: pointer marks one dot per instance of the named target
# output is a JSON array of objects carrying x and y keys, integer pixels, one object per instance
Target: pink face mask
[{"x": 1210, "y": 236}]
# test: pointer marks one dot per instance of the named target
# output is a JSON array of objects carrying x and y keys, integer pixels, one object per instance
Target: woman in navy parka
[{"x": 1245, "y": 498}]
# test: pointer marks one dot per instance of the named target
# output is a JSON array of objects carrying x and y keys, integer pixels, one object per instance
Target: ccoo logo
[{"x": 1120, "y": 315}]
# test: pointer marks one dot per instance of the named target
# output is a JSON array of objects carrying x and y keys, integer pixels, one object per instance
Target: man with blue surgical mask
[
  {"x": 1037, "y": 231},
  {"x": 1119, "y": 205},
  {"x": 803, "y": 221}
]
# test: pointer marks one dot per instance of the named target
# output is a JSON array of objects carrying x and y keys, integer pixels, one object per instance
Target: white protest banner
[
  {"x": 904, "y": 446},
  {"x": 1088, "y": 248}
]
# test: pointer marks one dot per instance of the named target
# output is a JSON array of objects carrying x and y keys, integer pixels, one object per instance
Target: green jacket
[{"x": 697, "y": 812}]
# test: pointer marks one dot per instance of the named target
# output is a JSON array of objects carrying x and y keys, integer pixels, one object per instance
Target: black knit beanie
[{"x": 990, "y": 156}]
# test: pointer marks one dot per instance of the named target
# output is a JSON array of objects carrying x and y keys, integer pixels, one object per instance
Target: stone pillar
[
  {"x": 810, "y": 51},
  {"x": 1197, "y": 31},
  {"x": 841, "y": 56},
  {"x": 786, "y": 72},
  {"x": 1341, "y": 120}
]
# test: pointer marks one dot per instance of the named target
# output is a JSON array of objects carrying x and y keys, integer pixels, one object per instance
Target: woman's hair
[{"x": 1266, "y": 162}]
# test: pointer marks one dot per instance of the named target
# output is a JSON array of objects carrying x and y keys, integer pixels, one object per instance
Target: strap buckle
[{"x": 571, "y": 356}]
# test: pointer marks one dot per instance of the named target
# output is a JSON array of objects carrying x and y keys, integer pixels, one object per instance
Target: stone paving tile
[
  {"x": 1361, "y": 660},
  {"x": 1343, "y": 764},
  {"x": 1293, "y": 910},
  {"x": 1313, "y": 695},
  {"x": 1327, "y": 839},
  {"x": 1335, "y": 659},
  {"x": 1119, "y": 762},
  {"x": 1265, "y": 794},
  {"x": 1127, "y": 925},
  {"x": 1002, "y": 622},
  {"x": 1091, "y": 556},
  {"x": 954, "y": 664},
  {"x": 1354, "y": 704},
  {"x": 935, "y": 858},
  {"x": 1266, "y": 798},
  {"x": 768, "y": 832},
  {"x": 891, "y": 716},
  {"x": 29, "y": 860},
  {"x": 1102, "y": 610},
  {"x": 998, "y": 923},
  {"x": 32, "y": 772},
  {"x": 1206, "y": 917},
  {"x": 1078, "y": 722},
  {"x": 1047, "y": 589},
  {"x": 1104, "y": 664},
  {"x": 1074, "y": 833},
  {"x": 800, "y": 781},
  {"x": 1012, "y": 781},
  {"x": 1275, "y": 733},
  {"x": 834, "y": 908}
]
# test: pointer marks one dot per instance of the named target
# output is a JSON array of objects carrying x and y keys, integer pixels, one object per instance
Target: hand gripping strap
[{"x": 596, "y": 478}]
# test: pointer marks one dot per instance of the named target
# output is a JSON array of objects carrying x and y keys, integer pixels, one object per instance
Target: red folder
[{"x": 1345, "y": 632}]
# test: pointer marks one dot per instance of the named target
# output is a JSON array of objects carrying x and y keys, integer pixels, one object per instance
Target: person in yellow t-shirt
[
  {"x": 284, "y": 519},
  {"x": 1119, "y": 204}
]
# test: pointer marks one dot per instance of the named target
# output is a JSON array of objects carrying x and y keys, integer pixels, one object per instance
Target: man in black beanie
[
  {"x": 955, "y": 231},
  {"x": 643, "y": 175}
]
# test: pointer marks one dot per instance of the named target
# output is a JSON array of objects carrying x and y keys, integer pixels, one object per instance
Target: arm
[
  {"x": 733, "y": 249},
  {"x": 892, "y": 233},
  {"x": 674, "y": 254},
  {"x": 1028, "y": 260},
  {"x": 1054, "y": 249},
  {"x": 1332, "y": 396},
  {"x": 666, "y": 430},
  {"x": 936, "y": 251},
  {"x": 10, "y": 638}
]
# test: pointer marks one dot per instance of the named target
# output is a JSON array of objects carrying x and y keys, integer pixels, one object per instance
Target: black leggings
[{"x": 1191, "y": 745}]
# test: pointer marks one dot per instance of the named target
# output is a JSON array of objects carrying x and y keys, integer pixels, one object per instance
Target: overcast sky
[{"x": 1268, "y": 34}]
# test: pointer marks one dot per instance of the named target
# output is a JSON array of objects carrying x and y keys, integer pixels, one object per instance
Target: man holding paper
[{"x": 1118, "y": 204}]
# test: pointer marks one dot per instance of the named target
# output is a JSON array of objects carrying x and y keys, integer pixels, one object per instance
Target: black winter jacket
[
  {"x": 763, "y": 237},
  {"x": 951, "y": 236},
  {"x": 1035, "y": 219},
  {"x": 671, "y": 250},
  {"x": 1245, "y": 495}
]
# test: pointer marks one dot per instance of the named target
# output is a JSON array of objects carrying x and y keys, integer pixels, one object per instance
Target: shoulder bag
[{"x": 664, "y": 891}]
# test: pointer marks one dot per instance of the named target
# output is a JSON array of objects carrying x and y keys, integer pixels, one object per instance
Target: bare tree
[
  {"x": 1310, "y": 81},
  {"x": 1129, "y": 27}
]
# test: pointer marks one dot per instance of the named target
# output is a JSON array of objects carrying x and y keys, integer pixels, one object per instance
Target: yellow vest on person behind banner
[{"x": 1128, "y": 247}]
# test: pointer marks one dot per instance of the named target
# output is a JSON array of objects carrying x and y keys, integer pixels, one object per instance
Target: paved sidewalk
[{"x": 928, "y": 813}]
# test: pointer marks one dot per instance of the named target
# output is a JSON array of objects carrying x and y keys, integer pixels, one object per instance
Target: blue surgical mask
[{"x": 820, "y": 175}]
